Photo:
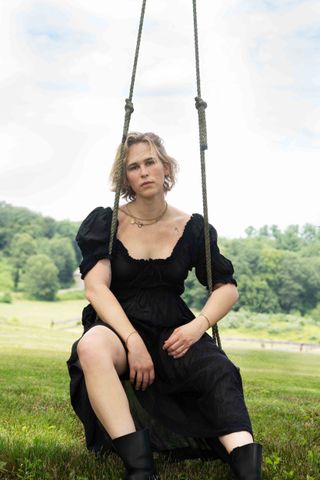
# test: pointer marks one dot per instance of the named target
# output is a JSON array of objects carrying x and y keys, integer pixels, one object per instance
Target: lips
[{"x": 144, "y": 184}]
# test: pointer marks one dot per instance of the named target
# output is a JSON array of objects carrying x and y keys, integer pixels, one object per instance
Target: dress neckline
[{"x": 174, "y": 250}]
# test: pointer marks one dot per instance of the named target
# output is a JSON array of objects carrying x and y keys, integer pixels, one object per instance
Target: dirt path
[{"x": 270, "y": 344}]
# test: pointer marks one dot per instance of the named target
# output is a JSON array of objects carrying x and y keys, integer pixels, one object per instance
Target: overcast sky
[{"x": 65, "y": 68}]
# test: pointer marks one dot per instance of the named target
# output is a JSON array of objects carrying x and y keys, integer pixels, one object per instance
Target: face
[{"x": 144, "y": 170}]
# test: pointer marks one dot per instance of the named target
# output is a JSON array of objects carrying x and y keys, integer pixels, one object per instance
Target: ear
[
  {"x": 125, "y": 180},
  {"x": 166, "y": 170}
]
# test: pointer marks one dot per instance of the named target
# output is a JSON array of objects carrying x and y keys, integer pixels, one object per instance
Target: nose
[{"x": 144, "y": 171}]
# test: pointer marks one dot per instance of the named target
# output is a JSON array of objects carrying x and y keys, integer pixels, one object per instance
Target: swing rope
[
  {"x": 129, "y": 110},
  {"x": 200, "y": 106}
]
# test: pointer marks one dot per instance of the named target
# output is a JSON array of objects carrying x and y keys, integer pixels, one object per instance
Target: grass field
[{"x": 40, "y": 437}]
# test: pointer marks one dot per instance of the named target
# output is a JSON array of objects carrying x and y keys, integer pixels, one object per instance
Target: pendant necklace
[{"x": 139, "y": 221}]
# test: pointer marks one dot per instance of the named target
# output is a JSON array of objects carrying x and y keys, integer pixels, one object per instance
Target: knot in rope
[
  {"x": 200, "y": 103},
  {"x": 201, "y": 106},
  {"x": 129, "y": 106}
]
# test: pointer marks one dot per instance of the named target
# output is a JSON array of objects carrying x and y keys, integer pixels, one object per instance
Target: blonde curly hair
[{"x": 156, "y": 144}]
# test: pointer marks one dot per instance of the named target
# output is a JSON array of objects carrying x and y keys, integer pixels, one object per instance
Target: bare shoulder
[
  {"x": 177, "y": 214},
  {"x": 178, "y": 217}
]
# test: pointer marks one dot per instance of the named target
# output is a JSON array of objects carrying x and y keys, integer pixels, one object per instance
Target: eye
[
  {"x": 150, "y": 161},
  {"x": 132, "y": 167}
]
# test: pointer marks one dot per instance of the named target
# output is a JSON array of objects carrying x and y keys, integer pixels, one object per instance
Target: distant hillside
[
  {"x": 44, "y": 247},
  {"x": 277, "y": 271}
]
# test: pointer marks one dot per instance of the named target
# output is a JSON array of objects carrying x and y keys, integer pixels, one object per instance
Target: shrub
[
  {"x": 6, "y": 298},
  {"x": 71, "y": 295},
  {"x": 41, "y": 278},
  {"x": 314, "y": 315}
]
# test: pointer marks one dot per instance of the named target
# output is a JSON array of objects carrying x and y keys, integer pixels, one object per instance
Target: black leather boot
[
  {"x": 246, "y": 461},
  {"x": 136, "y": 454}
]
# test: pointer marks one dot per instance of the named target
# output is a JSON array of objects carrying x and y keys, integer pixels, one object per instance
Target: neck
[{"x": 148, "y": 207}]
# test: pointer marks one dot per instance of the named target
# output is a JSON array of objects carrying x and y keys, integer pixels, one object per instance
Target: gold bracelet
[
  {"x": 203, "y": 315},
  {"x": 133, "y": 331}
]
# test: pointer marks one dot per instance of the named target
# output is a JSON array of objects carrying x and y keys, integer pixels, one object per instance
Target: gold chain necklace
[{"x": 138, "y": 221}]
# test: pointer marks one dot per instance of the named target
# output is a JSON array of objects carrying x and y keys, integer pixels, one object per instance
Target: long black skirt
[{"x": 194, "y": 399}]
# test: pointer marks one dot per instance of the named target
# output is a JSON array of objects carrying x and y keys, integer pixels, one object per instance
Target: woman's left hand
[{"x": 183, "y": 337}]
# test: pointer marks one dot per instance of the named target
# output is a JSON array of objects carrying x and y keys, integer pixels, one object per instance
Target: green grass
[
  {"x": 41, "y": 438},
  {"x": 44, "y": 325},
  {"x": 70, "y": 295}
]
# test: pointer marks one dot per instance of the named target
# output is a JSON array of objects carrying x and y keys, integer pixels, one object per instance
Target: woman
[{"x": 144, "y": 359}]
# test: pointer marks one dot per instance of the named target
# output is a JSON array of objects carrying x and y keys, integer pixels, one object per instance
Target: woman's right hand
[{"x": 140, "y": 363}]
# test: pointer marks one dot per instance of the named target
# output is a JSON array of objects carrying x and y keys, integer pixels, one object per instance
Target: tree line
[
  {"x": 38, "y": 255},
  {"x": 276, "y": 271}
]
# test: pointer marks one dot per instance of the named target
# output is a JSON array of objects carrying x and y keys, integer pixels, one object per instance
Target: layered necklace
[{"x": 140, "y": 222}]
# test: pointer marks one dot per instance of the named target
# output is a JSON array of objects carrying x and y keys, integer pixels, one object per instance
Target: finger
[
  {"x": 168, "y": 343},
  {"x": 152, "y": 376},
  {"x": 173, "y": 338},
  {"x": 175, "y": 343},
  {"x": 145, "y": 381},
  {"x": 138, "y": 380},
  {"x": 180, "y": 349},
  {"x": 181, "y": 353},
  {"x": 132, "y": 375},
  {"x": 176, "y": 346}
]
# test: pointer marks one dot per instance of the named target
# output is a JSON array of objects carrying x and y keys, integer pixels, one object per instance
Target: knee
[
  {"x": 91, "y": 349},
  {"x": 228, "y": 368},
  {"x": 230, "y": 374}
]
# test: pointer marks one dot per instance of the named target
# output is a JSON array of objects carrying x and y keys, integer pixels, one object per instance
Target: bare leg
[
  {"x": 236, "y": 439},
  {"x": 102, "y": 359}
]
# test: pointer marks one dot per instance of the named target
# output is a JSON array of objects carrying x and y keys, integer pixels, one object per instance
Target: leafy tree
[
  {"x": 276, "y": 270},
  {"x": 65, "y": 228},
  {"x": 310, "y": 232},
  {"x": 250, "y": 231},
  {"x": 195, "y": 294},
  {"x": 63, "y": 255},
  {"x": 22, "y": 220},
  {"x": 275, "y": 231},
  {"x": 43, "y": 245},
  {"x": 315, "y": 314},
  {"x": 6, "y": 277},
  {"x": 49, "y": 227},
  {"x": 17, "y": 219},
  {"x": 256, "y": 294},
  {"x": 311, "y": 282},
  {"x": 299, "y": 283},
  {"x": 41, "y": 278},
  {"x": 6, "y": 297},
  {"x": 290, "y": 239},
  {"x": 311, "y": 249},
  {"x": 21, "y": 248},
  {"x": 264, "y": 231},
  {"x": 246, "y": 254},
  {"x": 268, "y": 266}
]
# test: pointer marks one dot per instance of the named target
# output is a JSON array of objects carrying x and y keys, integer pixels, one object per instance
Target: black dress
[{"x": 195, "y": 398}]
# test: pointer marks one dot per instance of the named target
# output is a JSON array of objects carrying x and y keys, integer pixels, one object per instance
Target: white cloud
[
  {"x": 275, "y": 61},
  {"x": 64, "y": 74}
]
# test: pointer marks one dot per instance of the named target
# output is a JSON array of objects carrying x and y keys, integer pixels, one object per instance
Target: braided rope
[
  {"x": 201, "y": 105},
  {"x": 129, "y": 110}
]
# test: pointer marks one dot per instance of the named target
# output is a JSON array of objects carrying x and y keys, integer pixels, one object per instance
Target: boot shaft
[
  {"x": 136, "y": 454},
  {"x": 246, "y": 461}
]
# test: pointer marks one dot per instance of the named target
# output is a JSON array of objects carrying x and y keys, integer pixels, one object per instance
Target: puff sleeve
[
  {"x": 93, "y": 238},
  {"x": 221, "y": 267}
]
